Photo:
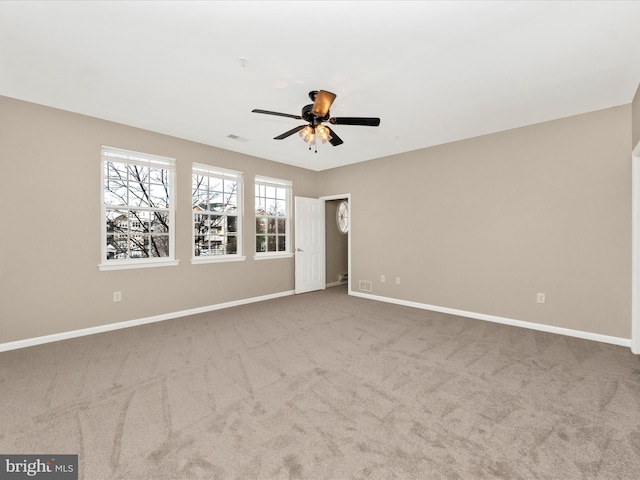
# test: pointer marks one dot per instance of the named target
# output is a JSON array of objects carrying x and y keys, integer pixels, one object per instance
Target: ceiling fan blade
[
  {"x": 362, "y": 121},
  {"x": 290, "y": 132},
  {"x": 322, "y": 103},
  {"x": 268, "y": 112},
  {"x": 335, "y": 139}
]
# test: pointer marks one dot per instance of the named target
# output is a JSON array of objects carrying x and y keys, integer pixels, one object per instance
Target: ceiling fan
[{"x": 317, "y": 113}]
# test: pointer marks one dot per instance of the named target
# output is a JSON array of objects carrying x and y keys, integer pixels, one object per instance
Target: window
[
  {"x": 217, "y": 214},
  {"x": 273, "y": 199},
  {"x": 137, "y": 209}
]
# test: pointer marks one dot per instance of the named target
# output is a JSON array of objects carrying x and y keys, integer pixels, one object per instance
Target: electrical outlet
[
  {"x": 382, "y": 279},
  {"x": 541, "y": 298},
  {"x": 397, "y": 280},
  {"x": 117, "y": 296}
]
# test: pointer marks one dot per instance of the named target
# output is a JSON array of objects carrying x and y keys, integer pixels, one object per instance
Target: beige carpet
[{"x": 326, "y": 386}]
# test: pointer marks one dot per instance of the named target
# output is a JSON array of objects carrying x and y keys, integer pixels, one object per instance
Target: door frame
[
  {"x": 635, "y": 250},
  {"x": 347, "y": 197}
]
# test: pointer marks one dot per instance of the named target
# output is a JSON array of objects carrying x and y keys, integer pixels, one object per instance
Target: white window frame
[
  {"x": 221, "y": 174},
  {"x": 145, "y": 160},
  {"x": 288, "y": 186}
]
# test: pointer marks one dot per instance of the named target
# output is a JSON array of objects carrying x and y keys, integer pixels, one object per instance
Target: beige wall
[
  {"x": 635, "y": 119},
  {"x": 482, "y": 225},
  {"x": 50, "y": 235},
  {"x": 336, "y": 244}
]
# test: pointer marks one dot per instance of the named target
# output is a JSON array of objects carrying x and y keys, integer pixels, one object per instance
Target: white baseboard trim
[
  {"x": 334, "y": 284},
  {"x": 30, "y": 342},
  {"x": 623, "y": 342}
]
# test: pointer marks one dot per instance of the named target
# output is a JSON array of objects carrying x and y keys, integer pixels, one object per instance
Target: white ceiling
[{"x": 434, "y": 72}]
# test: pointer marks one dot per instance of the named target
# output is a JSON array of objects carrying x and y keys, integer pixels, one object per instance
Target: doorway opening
[
  {"x": 322, "y": 252},
  {"x": 337, "y": 241}
]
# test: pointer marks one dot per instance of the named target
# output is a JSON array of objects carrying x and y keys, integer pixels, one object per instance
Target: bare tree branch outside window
[{"x": 137, "y": 210}]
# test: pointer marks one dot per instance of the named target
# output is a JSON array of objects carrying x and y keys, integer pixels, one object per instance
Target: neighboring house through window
[
  {"x": 272, "y": 206},
  {"x": 217, "y": 214},
  {"x": 137, "y": 209}
]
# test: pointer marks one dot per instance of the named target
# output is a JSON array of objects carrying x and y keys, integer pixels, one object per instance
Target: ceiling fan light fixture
[
  {"x": 323, "y": 133},
  {"x": 315, "y": 114},
  {"x": 307, "y": 134}
]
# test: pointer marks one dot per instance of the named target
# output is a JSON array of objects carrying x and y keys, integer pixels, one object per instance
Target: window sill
[
  {"x": 143, "y": 264},
  {"x": 218, "y": 259},
  {"x": 271, "y": 256}
]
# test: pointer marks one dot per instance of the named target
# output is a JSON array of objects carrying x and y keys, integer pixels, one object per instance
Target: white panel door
[{"x": 309, "y": 245}]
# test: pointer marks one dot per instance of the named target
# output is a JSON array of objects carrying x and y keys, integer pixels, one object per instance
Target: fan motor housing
[{"x": 310, "y": 117}]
